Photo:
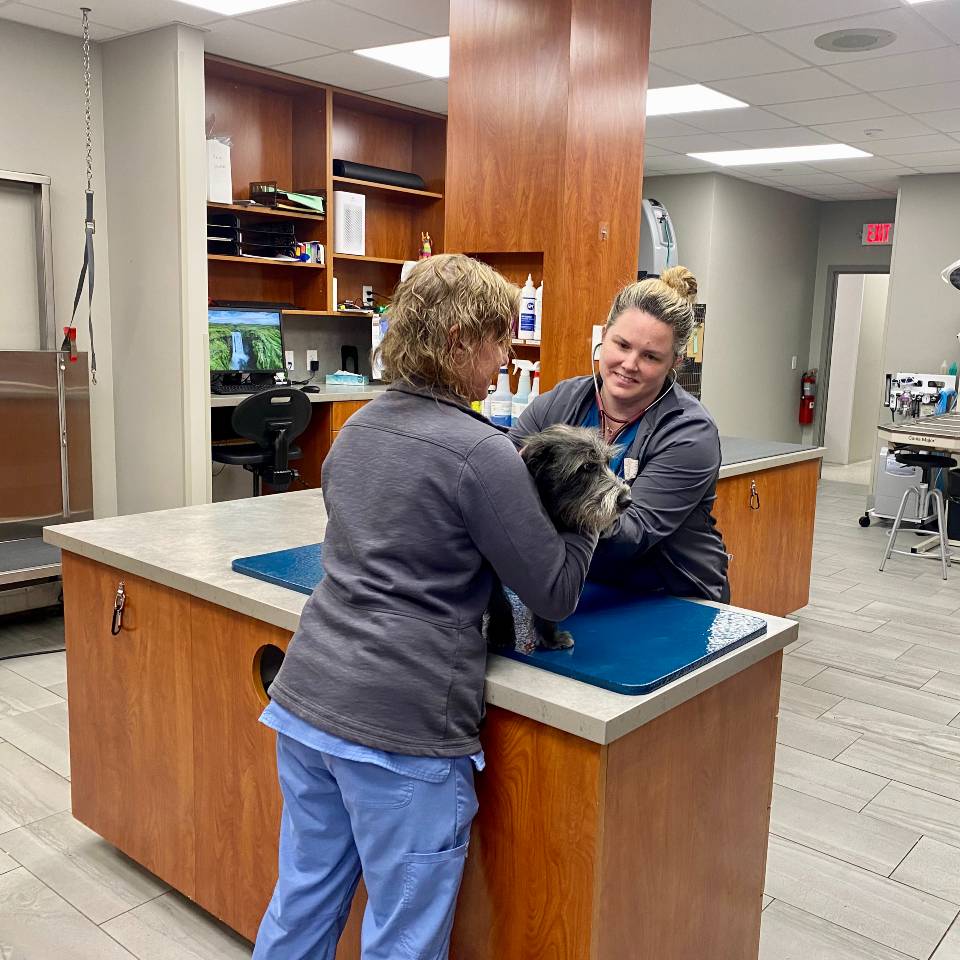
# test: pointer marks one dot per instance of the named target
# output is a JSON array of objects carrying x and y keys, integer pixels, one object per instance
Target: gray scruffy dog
[{"x": 571, "y": 468}]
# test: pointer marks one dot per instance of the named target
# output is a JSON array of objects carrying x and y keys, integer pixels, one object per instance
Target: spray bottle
[
  {"x": 535, "y": 389},
  {"x": 501, "y": 400},
  {"x": 522, "y": 397},
  {"x": 528, "y": 310}
]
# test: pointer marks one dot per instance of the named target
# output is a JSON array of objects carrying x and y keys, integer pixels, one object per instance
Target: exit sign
[{"x": 876, "y": 233}]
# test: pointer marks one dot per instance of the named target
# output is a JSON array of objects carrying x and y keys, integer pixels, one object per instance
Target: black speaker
[{"x": 363, "y": 171}]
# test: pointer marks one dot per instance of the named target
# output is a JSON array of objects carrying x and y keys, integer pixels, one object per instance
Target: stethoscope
[{"x": 604, "y": 416}]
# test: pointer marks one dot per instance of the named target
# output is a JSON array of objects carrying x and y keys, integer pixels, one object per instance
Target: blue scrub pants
[{"x": 408, "y": 836}]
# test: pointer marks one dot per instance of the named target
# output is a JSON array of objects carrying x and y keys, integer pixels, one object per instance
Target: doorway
[{"x": 852, "y": 374}]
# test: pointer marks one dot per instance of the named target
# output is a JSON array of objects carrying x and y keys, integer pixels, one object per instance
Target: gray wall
[
  {"x": 41, "y": 119},
  {"x": 754, "y": 251},
  {"x": 156, "y": 167},
  {"x": 923, "y": 312}
]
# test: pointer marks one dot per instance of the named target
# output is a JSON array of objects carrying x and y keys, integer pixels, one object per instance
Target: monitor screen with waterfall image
[{"x": 245, "y": 340}]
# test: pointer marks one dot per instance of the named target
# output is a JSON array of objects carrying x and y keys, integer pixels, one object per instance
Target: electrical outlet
[
  {"x": 288, "y": 358},
  {"x": 311, "y": 358},
  {"x": 367, "y": 296}
]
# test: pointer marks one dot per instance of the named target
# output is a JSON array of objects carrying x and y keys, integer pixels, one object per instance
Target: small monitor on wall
[{"x": 245, "y": 340}]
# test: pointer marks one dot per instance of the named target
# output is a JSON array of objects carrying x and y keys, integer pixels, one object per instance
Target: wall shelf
[
  {"x": 328, "y": 313},
  {"x": 350, "y": 256},
  {"x": 262, "y": 211},
  {"x": 265, "y": 261},
  {"x": 532, "y": 344},
  {"x": 405, "y": 192}
]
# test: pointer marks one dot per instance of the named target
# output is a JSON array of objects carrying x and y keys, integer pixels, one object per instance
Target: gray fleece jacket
[
  {"x": 425, "y": 501},
  {"x": 669, "y": 525}
]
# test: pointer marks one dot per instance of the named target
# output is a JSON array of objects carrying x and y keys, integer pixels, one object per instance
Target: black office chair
[{"x": 271, "y": 420}]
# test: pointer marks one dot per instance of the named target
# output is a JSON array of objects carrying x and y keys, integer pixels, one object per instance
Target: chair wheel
[{"x": 865, "y": 520}]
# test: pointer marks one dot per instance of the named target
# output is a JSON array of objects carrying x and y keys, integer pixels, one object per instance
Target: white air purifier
[{"x": 349, "y": 223}]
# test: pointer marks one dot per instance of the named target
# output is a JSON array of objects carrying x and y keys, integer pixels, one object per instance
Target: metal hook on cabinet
[
  {"x": 116, "y": 624},
  {"x": 754, "y": 496}
]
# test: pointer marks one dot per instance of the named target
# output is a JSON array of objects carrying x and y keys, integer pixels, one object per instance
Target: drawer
[{"x": 342, "y": 410}]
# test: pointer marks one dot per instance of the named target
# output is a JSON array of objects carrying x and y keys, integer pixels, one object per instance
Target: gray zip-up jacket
[
  {"x": 669, "y": 525},
  {"x": 425, "y": 500}
]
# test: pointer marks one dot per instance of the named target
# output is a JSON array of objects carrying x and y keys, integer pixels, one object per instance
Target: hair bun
[{"x": 681, "y": 281}]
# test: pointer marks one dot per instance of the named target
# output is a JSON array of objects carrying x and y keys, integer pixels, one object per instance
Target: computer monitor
[{"x": 245, "y": 340}]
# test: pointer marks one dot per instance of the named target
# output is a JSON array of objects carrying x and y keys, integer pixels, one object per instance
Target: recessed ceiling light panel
[
  {"x": 743, "y": 158},
  {"x": 232, "y": 8},
  {"x": 691, "y": 98},
  {"x": 855, "y": 40},
  {"x": 429, "y": 57}
]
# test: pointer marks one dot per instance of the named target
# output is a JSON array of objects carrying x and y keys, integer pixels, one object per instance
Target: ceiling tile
[
  {"x": 902, "y": 145},
  {"x": 350, "y": 71},
  {"x": 649, "y": 150},
  {"x": 678, "y": 23},
  {"x": 810, "y": 179},
  {"x": 767, "y": 15},
  {"x": 786, "y": 137},
  {"x": 730, "y": 121},
  {"x": 58, "y": 22},
  {"x": 860, "y": 106},
  {"x": 808, "y": 84},
  {"x": 427, "y": 95},
  {"x": 695, "y": 143},
  {"x": 904, "y": 70},
  {"x": 944, "y": 16},
  {"x": 912, "y": 34},
  {"x": 323, "y": 21},
  {"x": 243, "y": 41},
  {"x": 884, "y": 128},
  {"x": 658, "y": 77},
  {"x": 775, "y": 170},
  {"x": 880, "y": 180},
  {"x": 933, "y": 158},
  {"x": 667, "y": 127},
  {"x": 678, "y": 164},
  {"x": 946, "y": 120},
  {"x": 856, "y": 191},
  {"x": 857, "y": 165},
  {"x": 934, "y": 96},
  {"x": 430, "y": 16},
  {"x": 127, "y": 16},
  {"x": 736, "y": 57}
]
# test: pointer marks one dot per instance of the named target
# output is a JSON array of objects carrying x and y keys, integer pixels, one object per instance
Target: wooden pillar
[{"x": 545, "y": 153}]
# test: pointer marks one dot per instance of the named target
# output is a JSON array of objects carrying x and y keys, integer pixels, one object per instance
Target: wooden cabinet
[
  {"x": 315, "y": 442},
  {"x": 131, "y": 717},
  {"x": 766, "y": 519}
]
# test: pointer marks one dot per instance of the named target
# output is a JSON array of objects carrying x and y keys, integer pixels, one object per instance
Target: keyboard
[{"x": 229, "y": 388}]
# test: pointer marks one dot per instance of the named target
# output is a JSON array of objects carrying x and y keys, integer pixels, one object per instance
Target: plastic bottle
[
  {"x": 522, "y": 397},
  {"x": 527, "y": 327},
  {"x": 535, "y": 389},
  {"x": 501, "y": 400},
  {"x": 485, "y": 406},
  {"x": 538, "y": 313},
  {"x": 944, "y": 367}
]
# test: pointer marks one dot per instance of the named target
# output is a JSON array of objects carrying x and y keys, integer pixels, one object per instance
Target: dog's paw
[{"x": 560, "y": 640}]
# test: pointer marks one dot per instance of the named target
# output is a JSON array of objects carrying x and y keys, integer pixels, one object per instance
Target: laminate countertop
[
  {"x": 190, "y": 549},
  {"x": 739, "y": 455}
]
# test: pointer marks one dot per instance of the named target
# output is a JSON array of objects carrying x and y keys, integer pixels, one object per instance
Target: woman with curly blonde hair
[
  {"x": 378, "y": 702},
  {"x": 667, "y": 539}
]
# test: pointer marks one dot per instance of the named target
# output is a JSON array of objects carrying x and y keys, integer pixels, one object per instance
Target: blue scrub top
[{"x": 623, "y": 442}]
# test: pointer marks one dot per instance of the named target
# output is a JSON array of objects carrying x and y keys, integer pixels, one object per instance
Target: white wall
[
  {"x": 754, "y": 252},
  {"x": 41, "y": 119},
  {"x": 868, "y": 393},
  {"x": 843, "y": 368},
  {"x": 156, "y": 167},
  {"x": 923, "y": 312}
]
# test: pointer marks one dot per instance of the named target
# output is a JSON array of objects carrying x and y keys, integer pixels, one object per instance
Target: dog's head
[{"x": 571, "y": 468}]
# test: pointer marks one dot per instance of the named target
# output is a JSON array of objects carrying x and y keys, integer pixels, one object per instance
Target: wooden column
[{"x": 545, "y": 153}]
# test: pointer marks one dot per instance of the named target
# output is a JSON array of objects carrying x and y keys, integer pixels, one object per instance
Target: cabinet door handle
[
  {"x": 754, "y": 496},
  {"x": 116, "y": 624}
]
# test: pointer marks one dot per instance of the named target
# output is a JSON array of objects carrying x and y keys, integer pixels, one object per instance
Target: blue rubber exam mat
[{"x": 623, "y": 642}]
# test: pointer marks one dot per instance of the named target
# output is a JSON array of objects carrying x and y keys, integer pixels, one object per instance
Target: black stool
[
  {"x": 928, "y": 462},
  {"x": 271, "y": 420}
]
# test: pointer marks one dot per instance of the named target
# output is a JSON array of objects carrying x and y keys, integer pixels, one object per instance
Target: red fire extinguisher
[{"x": 808, "y": 396}]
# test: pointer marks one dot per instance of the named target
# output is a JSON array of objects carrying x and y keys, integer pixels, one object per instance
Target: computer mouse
[{"x": 310, "y": 388}]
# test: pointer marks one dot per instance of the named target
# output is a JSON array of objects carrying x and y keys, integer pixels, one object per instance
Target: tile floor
[{"x": 864, "y": 860}]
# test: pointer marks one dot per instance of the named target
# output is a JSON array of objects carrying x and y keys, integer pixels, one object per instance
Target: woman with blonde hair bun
[
  {"x": 378, "y": 702},
  {"x": 669, "y": 447}
]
